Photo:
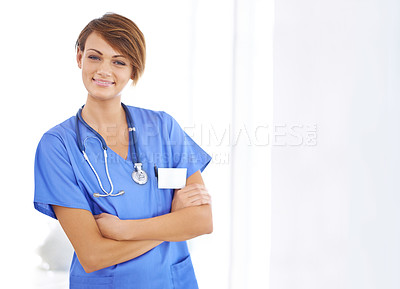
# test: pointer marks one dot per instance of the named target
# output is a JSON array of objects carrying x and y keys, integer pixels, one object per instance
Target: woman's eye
[
  {"x": 93, "y": 57},
  {"x": 119, "y": 63}
]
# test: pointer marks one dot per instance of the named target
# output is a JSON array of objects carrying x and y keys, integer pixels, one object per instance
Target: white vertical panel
[
  {"x": 251, "y": 116},
  {"x": 335, "y": 203},
  {"x": 209, "y": 126}
]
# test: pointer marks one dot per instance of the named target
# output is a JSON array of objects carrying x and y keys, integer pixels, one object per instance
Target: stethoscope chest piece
[{"x": 139, "y": 175}]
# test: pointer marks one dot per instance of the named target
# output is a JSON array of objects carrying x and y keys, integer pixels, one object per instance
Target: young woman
[{"x": 97, "y": 174}]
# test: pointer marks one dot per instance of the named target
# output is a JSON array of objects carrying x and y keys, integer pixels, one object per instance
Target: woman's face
[{"x": 105, "y": 72}]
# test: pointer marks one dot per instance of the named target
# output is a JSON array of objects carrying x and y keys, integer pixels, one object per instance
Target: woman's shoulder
[
  {"x": 149, "y": 114},
  {"x": 62, "y": 130}
]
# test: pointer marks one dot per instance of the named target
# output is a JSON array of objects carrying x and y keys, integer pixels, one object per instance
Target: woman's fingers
[
  {"x": 200, "y": 199},
  {"x": 192, "y": 190},
  {"x": 194, "y": 197},
  {"x": 190, "y": 196},
  {"x": 193, "y": 194},
  {"x": 192, "y": 187}
]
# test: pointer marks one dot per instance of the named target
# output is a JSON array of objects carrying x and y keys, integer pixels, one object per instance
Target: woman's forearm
[
  {"x": 94, "y": 251},
  {"x": 190, "y": 216},
  {"x": 110, "y": 252},
  {"x": 177, "y": 226}
]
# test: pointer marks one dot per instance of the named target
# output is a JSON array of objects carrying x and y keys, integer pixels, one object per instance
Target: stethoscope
[{"x": 138, "y": 174}]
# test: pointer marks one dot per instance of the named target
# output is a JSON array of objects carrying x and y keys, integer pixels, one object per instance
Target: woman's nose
[{"x": 104, "y": 70}]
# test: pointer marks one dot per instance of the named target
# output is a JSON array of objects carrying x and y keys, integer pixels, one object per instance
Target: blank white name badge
[{"x": 171, "y": 178}]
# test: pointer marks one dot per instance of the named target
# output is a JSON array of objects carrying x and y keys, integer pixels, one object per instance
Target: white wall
[{"x": 335, "y": 216}]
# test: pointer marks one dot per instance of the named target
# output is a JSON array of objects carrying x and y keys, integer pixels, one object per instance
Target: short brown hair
[{"x": 123, "y": 35}]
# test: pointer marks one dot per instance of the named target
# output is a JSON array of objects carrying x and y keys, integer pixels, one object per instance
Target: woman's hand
[
  {"x": 190, "y": 196},
  {"x": 110, "y": 226}
]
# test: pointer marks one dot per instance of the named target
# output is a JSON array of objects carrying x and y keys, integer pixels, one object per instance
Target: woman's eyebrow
[
  {"x": 95, "y": 50},
  {"x": 118, "y": 56}
]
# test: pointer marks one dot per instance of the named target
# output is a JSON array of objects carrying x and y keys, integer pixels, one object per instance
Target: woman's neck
[
  {"x": 102, "y": 114},
  {"x": 109, "y": 120}
]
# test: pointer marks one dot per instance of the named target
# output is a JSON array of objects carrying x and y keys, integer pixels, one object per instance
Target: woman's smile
[{"x": 103, "y": 83}]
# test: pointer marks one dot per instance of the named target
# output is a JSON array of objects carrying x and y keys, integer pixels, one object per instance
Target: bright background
[
  {"x": 209, "y": 64},
  {"x": 335, "y": 206}
]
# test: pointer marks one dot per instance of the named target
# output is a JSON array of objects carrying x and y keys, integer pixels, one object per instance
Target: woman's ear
[{"x": 79, "y": 55}]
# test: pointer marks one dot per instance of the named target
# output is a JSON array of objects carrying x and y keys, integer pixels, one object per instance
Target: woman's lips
[{"x": 103, "y": 83}]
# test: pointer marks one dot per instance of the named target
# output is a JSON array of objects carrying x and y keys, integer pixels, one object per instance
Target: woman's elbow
[
  {"x": 89, "y": 262},
  {"x": 92, "y": 259},
  {"x": 89, "y": 269},
  {"x": 209, "y": 227},
  {"x": 206, "y": 221}
]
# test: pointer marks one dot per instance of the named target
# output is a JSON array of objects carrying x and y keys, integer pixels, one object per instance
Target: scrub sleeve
[
  {"x": 55, "y": 182},
  {"x": 185, "y": 153}
]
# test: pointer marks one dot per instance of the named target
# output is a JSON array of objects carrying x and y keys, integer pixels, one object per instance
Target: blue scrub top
[{"x": 63, "y": 178}]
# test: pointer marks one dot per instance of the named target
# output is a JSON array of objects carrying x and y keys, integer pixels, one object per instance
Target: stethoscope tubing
[
  {"x": 131, "y": 128},
  {"x": 132, "y": 135},
  {"x": 133, "y": 151}
]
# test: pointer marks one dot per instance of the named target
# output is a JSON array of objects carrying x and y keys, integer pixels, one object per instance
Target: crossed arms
[{"x": 104, "y": 240}]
